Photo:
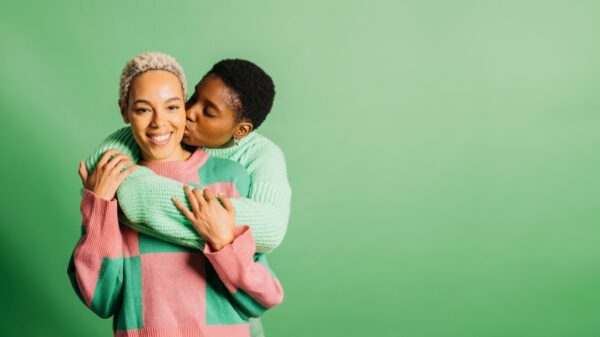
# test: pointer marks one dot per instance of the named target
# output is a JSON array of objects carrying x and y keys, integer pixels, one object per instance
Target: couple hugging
[{"x": 180, "y": 207}]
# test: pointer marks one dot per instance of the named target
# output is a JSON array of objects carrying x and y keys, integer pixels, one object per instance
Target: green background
[{"x": 443, "y": 156}]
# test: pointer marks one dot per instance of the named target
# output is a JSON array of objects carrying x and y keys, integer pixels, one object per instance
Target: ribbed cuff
[{"x": 232, "y": 260}]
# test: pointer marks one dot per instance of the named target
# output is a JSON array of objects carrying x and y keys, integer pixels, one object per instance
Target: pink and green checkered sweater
[{"x": 155, "y": 288}]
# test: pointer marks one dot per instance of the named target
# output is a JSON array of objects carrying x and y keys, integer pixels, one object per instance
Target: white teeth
[{"x": 161, "y": 138}]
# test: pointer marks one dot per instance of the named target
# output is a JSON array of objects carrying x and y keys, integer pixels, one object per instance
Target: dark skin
[{"x": 212, "y": 120}]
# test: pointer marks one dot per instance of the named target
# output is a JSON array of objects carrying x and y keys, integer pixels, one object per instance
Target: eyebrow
[
  {"x": 148, "y": 102},
  {"x": 208, "y": 102},
  {"x": 141, "y": 101}
]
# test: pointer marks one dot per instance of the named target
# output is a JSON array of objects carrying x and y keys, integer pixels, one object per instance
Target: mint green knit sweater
[{"x": 145, "y": 197}]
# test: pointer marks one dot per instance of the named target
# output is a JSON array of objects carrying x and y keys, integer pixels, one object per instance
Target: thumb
[{"x": 83, "y": 174}]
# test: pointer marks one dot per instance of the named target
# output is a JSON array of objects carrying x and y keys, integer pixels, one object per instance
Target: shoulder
[
  {"x": 259, "y": 141},
  {"x": 263, "y": 151}
]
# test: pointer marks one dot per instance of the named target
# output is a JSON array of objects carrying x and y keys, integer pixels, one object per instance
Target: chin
[
  {"x": 190, "y": 141},
  {"x": 159, "y": 153}
]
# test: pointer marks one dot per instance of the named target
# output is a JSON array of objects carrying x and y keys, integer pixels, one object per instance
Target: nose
[
  {"x": 190, "y": 114},
  {"x": 158, "y": 118}
]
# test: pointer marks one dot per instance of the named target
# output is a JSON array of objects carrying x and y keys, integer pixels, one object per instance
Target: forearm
[
  {"x": 146, "y": 201},
  {"x": 96, "y": 265}
]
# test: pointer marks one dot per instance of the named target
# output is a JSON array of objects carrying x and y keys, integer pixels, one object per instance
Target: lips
[
  {"x": 160, "y": 139},
  {"x": 186, "y": 130}
]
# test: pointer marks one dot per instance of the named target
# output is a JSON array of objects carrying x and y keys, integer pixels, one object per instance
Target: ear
[
  {"x": 123, "y": 113},
  {"x": 242, "y": 129}
]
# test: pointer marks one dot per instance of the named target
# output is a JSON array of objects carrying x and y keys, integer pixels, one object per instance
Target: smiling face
[
  {"x": 156, "y": 112},
  {"x": 211, "y": 115}
]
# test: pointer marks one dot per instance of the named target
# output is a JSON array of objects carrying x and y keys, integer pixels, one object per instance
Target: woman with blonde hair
[
  {"x": 228, "y": 104},
  {"x": 150, "y": 286}
]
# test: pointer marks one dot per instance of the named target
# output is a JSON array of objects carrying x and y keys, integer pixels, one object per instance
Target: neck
[{"x": 179, "y": 154}]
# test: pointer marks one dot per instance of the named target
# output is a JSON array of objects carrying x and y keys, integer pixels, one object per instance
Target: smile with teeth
[{"x": 160, "y": 139}]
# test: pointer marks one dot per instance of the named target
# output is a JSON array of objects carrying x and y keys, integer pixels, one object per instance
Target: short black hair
[{"x": 252, "y": 85}]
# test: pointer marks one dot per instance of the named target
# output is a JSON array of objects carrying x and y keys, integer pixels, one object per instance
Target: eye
[
  {"x": 173, "y": 107},
  {"x": 141, "y": 110},
  {"x": 207, "y": 114}
]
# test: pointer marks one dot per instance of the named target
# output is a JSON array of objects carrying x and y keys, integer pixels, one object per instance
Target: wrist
[
  {"x": 103, "y": 194},
  {"x": 218, "y": 245}
]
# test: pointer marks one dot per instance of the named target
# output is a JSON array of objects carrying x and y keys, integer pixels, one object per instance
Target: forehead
[
  {"x": 213, "y": 87},
  {"x": 156, "y": 83}
]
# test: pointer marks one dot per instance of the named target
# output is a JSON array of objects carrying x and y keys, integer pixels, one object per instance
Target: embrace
[{"x": 181, "y": 206}]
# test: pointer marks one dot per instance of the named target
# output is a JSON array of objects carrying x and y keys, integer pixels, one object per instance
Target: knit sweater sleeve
[
  {"x": 96, "y": 265},
  {"x": 121, "y": 140},
  {"x": 252, "y": 284},
  {"x": 267, "y": 208},
  {"x": 146, "y": 201}
]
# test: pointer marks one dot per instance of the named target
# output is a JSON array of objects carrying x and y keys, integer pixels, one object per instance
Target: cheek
[
  {"x": 218, "y": 127},
  {"x": 178, "y": 120},
  {"x": 138, "y": 124},
  {"x": 214, "y": 133}
]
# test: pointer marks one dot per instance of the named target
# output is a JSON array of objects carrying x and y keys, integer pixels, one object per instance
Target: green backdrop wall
[{"x": 443, "y": 156}]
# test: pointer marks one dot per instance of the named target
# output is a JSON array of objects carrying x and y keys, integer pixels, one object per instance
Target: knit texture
[
  {"x": 154, "y": 288},
  {"x": 145, "y": 197}
]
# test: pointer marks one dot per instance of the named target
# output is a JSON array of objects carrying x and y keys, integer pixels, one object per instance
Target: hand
[
  {"x": 108, "y": 175},
  {"x": 215, "y": 223}
]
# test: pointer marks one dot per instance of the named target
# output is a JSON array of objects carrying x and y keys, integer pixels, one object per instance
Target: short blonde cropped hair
[{"x": 146, "y": 62}]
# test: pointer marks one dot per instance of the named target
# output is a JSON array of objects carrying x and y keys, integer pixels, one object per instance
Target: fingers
[
  {"x": 183, "y": 209},
  {"x": 115, "y": 161},
  {"x": 226, "y": 202},
  {"x": 127, "y": 171},
  {"x": 106, "y": 157},
  {"x": 83, "y": 174},
  {"x": 122, "y": 163},
  {"x": 208, "y": 195},
  {"x": 200, "y": 198},
  {"x": 191, "y": 198}
]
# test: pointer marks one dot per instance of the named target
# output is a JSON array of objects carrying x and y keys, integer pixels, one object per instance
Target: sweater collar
[
  {"x": 177, "y": 168},
  {"x": 232, "y": 149}
]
